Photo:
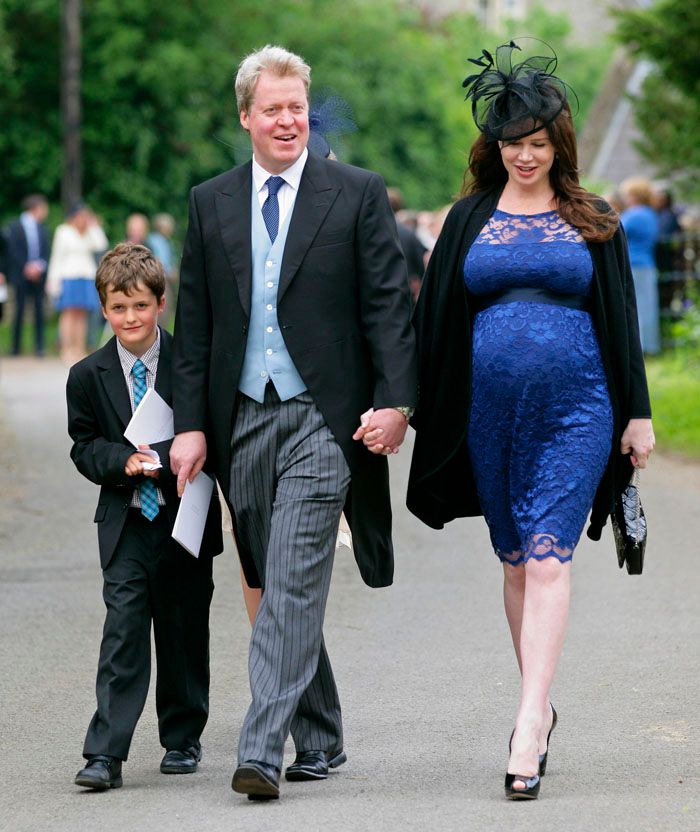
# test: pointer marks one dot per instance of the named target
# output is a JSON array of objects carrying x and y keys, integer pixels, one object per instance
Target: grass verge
[{"x": 674, "y": 385}]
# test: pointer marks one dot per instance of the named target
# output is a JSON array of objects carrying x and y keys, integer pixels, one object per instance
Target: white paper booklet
[
  {"x": 152, "y": 421},
  {"x": 192, "y": 514}
]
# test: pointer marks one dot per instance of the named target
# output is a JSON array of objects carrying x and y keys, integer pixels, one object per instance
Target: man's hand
[
  {"x": 382, "y": 431},
  {"x": 638, "y": 440},
  {"x": 32, "y": 271},
  {"x": 187, "y": 456}
]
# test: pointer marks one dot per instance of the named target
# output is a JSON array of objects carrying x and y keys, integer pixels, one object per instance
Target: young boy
[{"x": 147, "y": 576}]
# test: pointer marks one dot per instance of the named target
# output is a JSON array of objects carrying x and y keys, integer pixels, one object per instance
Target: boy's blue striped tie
[{"x": 148, "y": 493}]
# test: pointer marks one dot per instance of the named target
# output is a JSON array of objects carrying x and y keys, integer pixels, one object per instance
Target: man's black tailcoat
[{"x": 342, "y": 306}]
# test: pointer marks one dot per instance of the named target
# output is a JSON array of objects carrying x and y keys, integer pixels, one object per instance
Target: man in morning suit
[
  {"x": 292, "y": 321},
  {"x": 27, "y": 260}
]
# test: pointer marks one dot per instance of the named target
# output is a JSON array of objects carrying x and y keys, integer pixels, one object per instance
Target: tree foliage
[
  {"x": 668, "y": 107},
  {"x": 159, "y": 113},
  {"x": 581, "y": 65}
]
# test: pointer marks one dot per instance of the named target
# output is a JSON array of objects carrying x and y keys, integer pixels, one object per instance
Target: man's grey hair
[{"x": 274, "y": 59}]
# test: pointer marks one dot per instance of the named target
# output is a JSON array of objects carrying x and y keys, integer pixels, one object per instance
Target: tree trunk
[{"x": 71, "y": 111}]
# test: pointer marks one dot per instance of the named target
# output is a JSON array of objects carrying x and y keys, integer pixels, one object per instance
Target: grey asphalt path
[{"x": 425, "y": 670}]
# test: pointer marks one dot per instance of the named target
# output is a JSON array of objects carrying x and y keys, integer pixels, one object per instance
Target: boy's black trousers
[{"x": 151, "y": 579}]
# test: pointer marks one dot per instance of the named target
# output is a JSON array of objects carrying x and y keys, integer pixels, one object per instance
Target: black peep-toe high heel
[
  {"x": 532, "y": 784},
  {"x": 543, "y": 757},
  {"x": 531, "y": 790}
]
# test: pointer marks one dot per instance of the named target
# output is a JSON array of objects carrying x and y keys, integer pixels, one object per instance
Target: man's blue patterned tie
[
  {"x": 271, "y": 206},
  {"x": 147, "y": 490}
]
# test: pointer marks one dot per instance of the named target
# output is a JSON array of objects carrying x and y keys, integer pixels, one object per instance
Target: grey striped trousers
[{"x": 289, "y": 480}]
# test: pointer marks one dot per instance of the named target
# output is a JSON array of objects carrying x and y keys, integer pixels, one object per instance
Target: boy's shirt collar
[{"x": 149, "y": 358}]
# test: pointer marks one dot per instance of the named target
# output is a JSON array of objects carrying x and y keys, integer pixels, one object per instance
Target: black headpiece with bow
[{"x": 512, "y": 100}]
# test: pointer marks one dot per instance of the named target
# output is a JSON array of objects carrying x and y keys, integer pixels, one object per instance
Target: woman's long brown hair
[{"x": 595, "y": 220}]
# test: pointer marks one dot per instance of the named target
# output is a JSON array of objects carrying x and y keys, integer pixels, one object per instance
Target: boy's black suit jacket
[{"x": 98, "y": 412}]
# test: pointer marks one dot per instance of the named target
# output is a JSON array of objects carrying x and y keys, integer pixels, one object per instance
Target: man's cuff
[{"x": 406, "y": 412}]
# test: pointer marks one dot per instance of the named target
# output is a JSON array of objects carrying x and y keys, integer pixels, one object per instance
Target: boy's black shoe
[
  {"x": 176, "y": 761},
  {"x": 100, "y": 773}
]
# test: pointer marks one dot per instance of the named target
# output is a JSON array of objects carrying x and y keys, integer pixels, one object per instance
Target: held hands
[
  {"x": 382, "y": 431},
  {"x": 187, "y": 456},
  {"x": 638, "y": 440},
  {"x": 134, "y": 464}
]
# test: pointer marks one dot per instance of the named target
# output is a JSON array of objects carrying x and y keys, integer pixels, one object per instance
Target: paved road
[{"x": 425, "y": 671}]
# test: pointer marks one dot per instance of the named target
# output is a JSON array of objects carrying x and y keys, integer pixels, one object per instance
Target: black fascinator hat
[{"x": 512, "y": 99}]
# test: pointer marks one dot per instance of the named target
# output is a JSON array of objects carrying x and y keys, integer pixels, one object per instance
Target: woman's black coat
[{"x": 441, "y": 484}]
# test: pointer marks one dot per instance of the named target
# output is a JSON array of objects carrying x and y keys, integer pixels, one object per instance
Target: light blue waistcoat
[{"x": 266, "y": 355}]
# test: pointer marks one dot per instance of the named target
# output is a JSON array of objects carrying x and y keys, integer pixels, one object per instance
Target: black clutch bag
[{"x": 630, "y": 528}]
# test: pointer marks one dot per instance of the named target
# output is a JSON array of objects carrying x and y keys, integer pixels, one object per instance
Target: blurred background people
[
  {"x": 71, "y": 278},
  {"x": 614, "y": 200},
  {"x": 3, "y": 273},
  {"x": 160, "y": 243},
  {"x": 27, "y": 253},
  {"x": 413, "y": 249},
  {"x": 98, "y": 330},
  {"x": 641, "y": 226},
  {"x": 662, "y": 202},
  {"x": 137, "y": 229},
  {"x": 424, "y": 221},
  {"x": 436, "y": 221}
]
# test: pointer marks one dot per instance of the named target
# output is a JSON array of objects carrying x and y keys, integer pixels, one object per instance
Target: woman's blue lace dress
[{"x": 540, "y": 426}]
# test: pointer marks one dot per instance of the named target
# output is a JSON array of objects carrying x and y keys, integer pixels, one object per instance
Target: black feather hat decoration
[
  {"x": 329, "y": 115},
  {"x": 512, "y": 99}
]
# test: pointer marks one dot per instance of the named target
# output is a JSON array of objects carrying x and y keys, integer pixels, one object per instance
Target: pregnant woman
[{"x": 533, "y": 396}]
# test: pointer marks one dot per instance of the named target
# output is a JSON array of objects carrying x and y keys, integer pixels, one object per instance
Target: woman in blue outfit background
[
  {"x": 533, "y": 397},
  {"x": 641, "y": 225}
]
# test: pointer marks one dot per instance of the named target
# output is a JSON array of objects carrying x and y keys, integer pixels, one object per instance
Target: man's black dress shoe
[
  {"x": 100, "y": 773},
  {"x": 314, "y": 765},
  {"x": 181, "y": 762},
  {"x": 259, "y": 781}
]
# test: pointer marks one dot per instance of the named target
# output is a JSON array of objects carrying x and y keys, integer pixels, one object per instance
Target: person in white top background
[{"x": 71, "y": 278}]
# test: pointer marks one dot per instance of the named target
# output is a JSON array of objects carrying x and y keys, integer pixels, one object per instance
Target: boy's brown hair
[{"x": 127, "y": 265}]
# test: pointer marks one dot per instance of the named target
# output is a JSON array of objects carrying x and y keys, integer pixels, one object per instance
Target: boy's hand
[
  {"x": 134, "y": 465},
  {"x": 152, "y": 459}
]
